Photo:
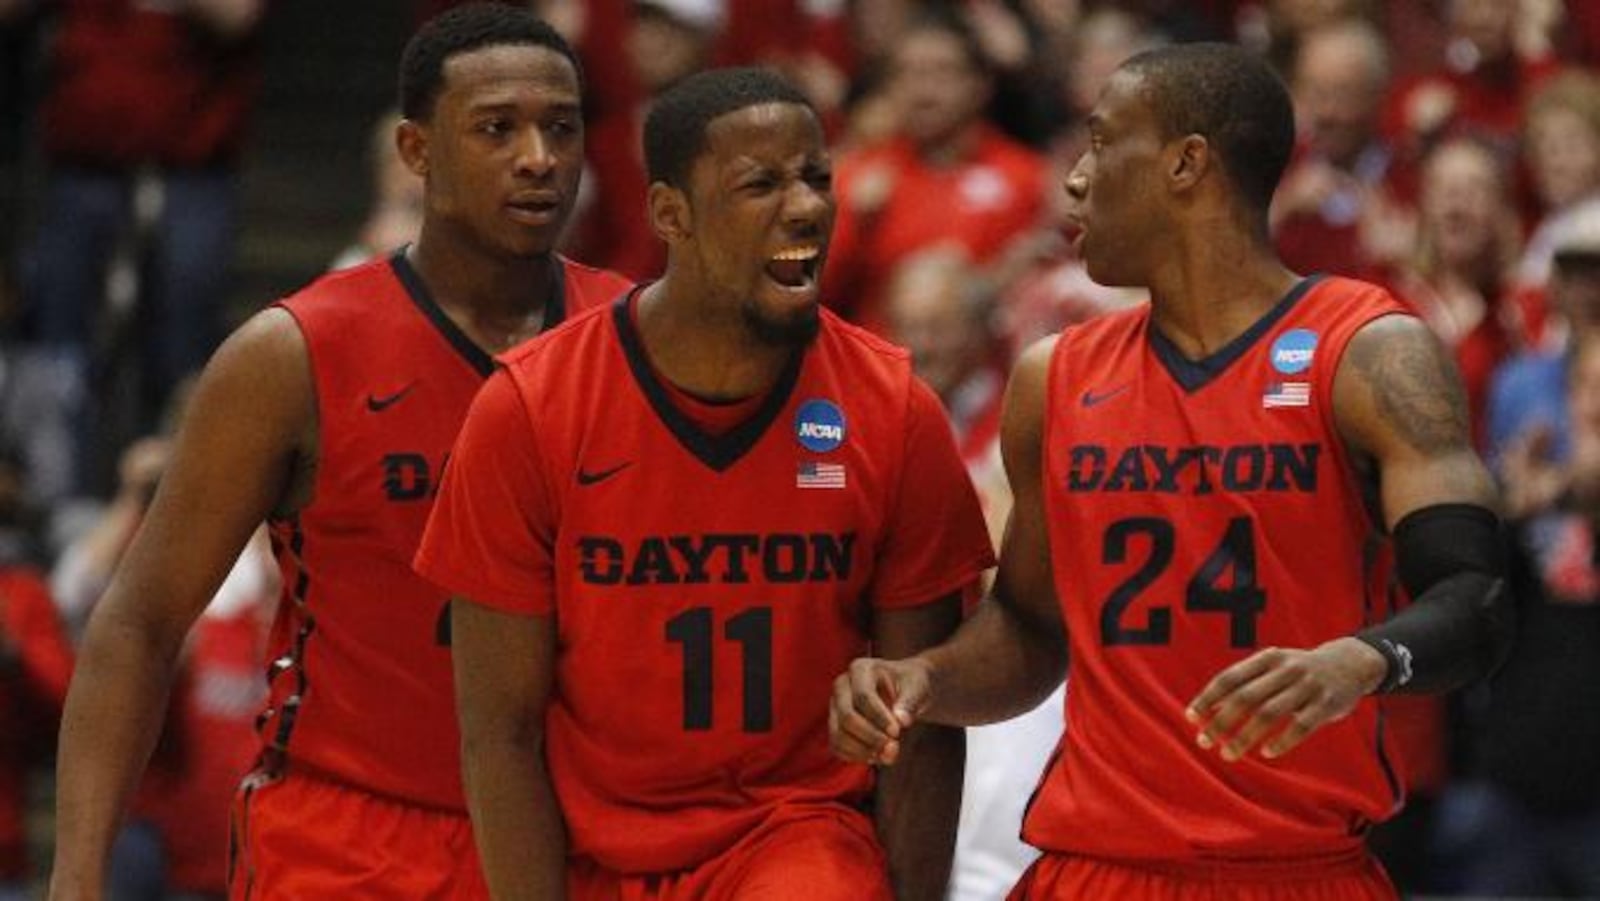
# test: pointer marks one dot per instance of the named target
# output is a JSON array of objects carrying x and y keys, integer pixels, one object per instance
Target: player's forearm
[
  {"x": 995, "y": 667},
  {"x": 112, "y": 719},
  {"x": 1460, "y": 625},
  {"x": 515, "y": 819},
  {"x": 918, "y": 807}
]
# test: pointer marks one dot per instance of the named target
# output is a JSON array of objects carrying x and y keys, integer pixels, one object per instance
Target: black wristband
[{"x": 1398, "y": 657}]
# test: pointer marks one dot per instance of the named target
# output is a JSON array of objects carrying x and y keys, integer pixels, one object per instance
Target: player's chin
[
  {"x": 531, "y": 244},
  {"x": 790, "y": 322}
]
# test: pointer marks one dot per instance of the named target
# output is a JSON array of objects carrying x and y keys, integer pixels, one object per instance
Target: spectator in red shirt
[
  {"x": 946, "y": 175},
  {"x": 1341, "y": 207},
  {"x": 1496, "y": 56},
  {"x": 1458, "y": 279},
  {"x": 666, "y": 40}
]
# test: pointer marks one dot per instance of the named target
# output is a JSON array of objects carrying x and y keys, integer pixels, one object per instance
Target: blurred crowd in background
[{"x": 1448, "y": 149}]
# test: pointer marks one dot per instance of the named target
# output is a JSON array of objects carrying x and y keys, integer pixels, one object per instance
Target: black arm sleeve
[{"x": 1459, "y": 627}]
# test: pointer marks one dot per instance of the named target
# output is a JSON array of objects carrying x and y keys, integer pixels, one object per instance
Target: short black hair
[
  {"x": 463, "y": 29},
  {"x": 1231, "y": 97},
  {"x": 675, "y": 129}
]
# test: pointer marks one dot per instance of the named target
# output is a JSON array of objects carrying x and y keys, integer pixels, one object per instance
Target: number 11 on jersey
[{"x": 750, "y": 629}]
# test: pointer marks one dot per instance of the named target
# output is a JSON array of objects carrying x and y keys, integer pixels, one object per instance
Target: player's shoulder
[
  {"x": 1108, "y": 326},
  {"x": 350, "y": 284},
  {"x": 1339, "y": 291}
]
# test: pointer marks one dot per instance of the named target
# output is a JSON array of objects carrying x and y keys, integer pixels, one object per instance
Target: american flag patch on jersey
[
  {"x": 1287, "y": 394},
  {"x": 819, "y": 475}
]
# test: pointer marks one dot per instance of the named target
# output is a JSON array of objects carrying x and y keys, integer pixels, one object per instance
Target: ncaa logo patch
[
  {"x": 819, "y": 426},
  {"x": 1293, "y": 350}
]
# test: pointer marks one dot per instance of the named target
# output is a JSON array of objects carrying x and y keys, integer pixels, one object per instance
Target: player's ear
[
  {"x": 1188, "y": 161},
  {"x": 669, "y": 212},
  {"x": 411, "y": 140}
]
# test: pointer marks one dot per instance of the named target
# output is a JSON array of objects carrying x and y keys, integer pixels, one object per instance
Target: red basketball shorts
[
  {"x": 1058, "y": 877},
  {"x": 809, "y": 855},
  {"x": 299, "y": 836}
]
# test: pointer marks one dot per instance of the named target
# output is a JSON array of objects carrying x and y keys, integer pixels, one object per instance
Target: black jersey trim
[
  {"x": 555, "y": 309},
  {"x": 1372, "y": 550},
  {"x": 1196, "y": 374},
  {"x": 716, "y": 451},
  {"x": 287, "y": 710}
]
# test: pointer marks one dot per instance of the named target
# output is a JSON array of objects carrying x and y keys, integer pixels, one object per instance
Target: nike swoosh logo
[
  {"x": 590, "y": 478},
  {"x": 379, "y": 404},
  {"x": 1091, "y": 399}
]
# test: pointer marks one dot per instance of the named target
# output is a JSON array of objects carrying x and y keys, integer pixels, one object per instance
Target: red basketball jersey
[
  {"x": 707, "y": 588},
  {"x": 361, "y": 683},
  {"x": 1198, "y": 512}
]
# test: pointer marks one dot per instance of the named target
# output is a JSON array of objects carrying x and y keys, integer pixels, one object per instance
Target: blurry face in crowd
[
  {"x": 1485, "y": 23},
  {"x": 1111, "y": 199},
  {"x": 1338, "y": 89},
  {"x": 1104, "y": 41},
  {"x": 875, "y": 25},
  {"x": 938, "y": 89},
  {"x": 664, "y": 50},
  {"x": 1300, "y": 16},
  {"x": 1463, "y": 203},
  {"x": 761, "y": 205},
  {"x": 1564, "y": 154},
  {"x": 1575, "y": 291},
  {"x": 931, "y": 318},
  {"x": 503, "y": 151}
]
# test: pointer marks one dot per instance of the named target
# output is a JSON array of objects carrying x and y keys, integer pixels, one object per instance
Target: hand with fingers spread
[
  {"x": 874, "y": 702},
  {"x": 1275, "y": 698}
]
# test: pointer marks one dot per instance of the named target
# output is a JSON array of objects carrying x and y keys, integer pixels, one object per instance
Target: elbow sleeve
[{"x": 1459, "y": 627}]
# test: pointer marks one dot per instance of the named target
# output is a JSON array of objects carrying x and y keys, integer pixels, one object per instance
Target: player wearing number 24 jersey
[
  {"x": 662, "y": 564},
  {"x": 1226, "y": 522},
  {"x": 1208, "y": 492}
]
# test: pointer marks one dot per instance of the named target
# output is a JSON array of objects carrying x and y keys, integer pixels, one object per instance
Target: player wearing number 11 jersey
[{"x": 662, "y": 564}]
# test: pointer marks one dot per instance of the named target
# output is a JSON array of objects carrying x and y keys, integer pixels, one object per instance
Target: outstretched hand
[
  {"x": 1277, "y": 697},
  {"x": 874, "y": 702}
]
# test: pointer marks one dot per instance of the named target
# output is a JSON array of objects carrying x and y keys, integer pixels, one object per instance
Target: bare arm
[
  {"x": 232, "y": 465},
  {"x": 919, "y": 800},
  {"x": 505, "y": 669},
  {"x": 1012, "y": 652},
  {"x": 1402, "y": 412}
]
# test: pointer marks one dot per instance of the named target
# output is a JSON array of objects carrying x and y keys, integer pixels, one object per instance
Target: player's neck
[
  {"x": 498, "y": 301},
  {"x": 709, "y": 356},
  {"x": 1206, "y": 296}
]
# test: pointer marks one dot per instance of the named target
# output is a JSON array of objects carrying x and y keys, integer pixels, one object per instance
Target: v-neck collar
[
  {"x": 1193, "y": 375},
  {"x": 555, "y": 309},
  {"x": 716, "y": 451}
]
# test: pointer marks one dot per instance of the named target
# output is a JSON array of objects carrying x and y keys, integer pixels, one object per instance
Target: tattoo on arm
[{"x": 1414, "y": 390}]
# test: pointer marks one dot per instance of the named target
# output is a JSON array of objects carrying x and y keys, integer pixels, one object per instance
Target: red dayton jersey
[
  {"x": 362, "y": 689},
  {"x": 1198, "y": 512},
  {"x": 707, "y": 588}
]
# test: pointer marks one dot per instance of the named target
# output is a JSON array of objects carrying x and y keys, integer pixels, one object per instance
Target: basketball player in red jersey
[
  {"x": 660, "y": 567},
  {"x": 331, "y": 414},
  {"x": 1203, "y": 486}
]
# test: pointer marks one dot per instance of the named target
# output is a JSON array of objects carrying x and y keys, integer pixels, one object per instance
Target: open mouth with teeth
[{"x": 795, "y": 267}]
